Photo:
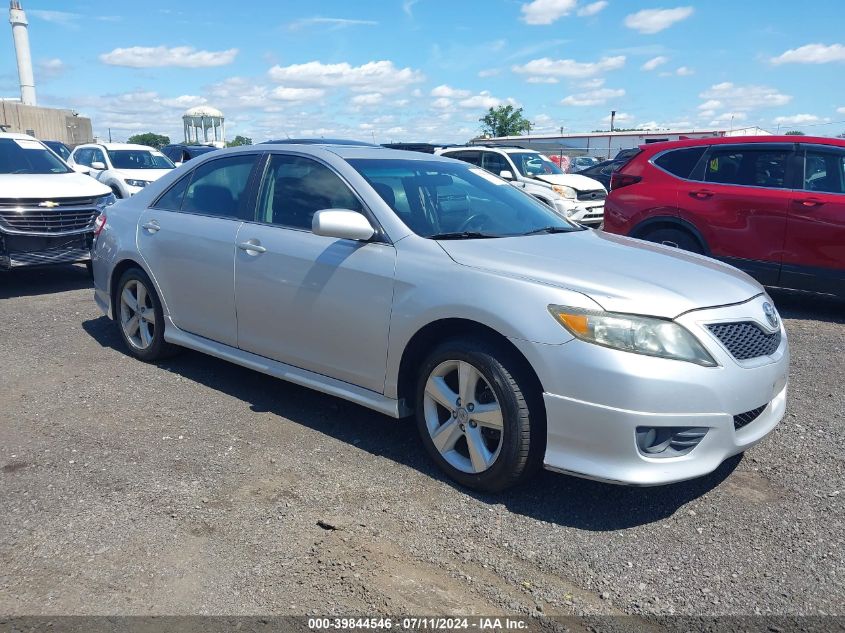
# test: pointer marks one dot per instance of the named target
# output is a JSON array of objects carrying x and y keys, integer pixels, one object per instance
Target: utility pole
[
  {"x": 612, "y": 119},
  {"x": 109, "y": 135}
]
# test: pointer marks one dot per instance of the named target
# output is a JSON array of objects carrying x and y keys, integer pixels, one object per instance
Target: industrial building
[
  {"x": 604, "y": 145},
  {"x": 23, "y": 114}
]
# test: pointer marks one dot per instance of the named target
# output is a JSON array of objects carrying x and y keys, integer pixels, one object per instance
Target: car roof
[
  {"x": 742, "y": 140},
  {"x": 17, "y": 135},
  {"x": 116, "y": 146},
  {"x": 318, "y": 141},
  {"x": 500, "y": 148}
]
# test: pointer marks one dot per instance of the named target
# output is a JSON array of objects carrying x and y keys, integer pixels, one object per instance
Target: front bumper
[
  {"x": 596, "y": 398},
  {"x": 17, "y": 251},
  {"x": 588, "y": 213}
]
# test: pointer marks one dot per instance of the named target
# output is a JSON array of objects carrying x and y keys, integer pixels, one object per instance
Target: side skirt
[{"x": 318, "y": 382}]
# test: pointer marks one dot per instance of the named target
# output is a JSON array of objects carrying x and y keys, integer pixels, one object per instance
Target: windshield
[
  {"x": 436, "y": 198},
  {"x": 533, "y": 164},
  {"x": 28, "y": 156},
  {"x": 60, "y": 148},
  {"x": 139, "y": 159}
]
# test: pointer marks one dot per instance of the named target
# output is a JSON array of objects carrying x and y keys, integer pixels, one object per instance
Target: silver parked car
[{"x": 415, "y": 284}]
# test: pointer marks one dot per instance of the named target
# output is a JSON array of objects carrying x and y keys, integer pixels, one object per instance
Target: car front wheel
[{"x": 474, "y": 416}]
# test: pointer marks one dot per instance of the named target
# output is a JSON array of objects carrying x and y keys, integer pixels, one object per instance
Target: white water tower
[{"x": 205, "y": 125}]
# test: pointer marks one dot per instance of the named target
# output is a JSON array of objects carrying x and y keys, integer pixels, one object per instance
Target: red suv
[{"x": 773, "y": 206}]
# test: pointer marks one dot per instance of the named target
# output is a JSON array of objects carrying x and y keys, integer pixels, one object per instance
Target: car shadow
[
  {"x": 799, "y": 305},
  {"x": 552, "y": 497},
  {"x": 42, "y": 280}
]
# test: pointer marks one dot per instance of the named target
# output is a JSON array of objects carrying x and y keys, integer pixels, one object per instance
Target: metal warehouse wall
[{"x": 48, "y": 124}]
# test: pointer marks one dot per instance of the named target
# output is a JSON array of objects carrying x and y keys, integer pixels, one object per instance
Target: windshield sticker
[
  {"x": 487, "y": 176},
  {"x": 27, "y": 144}
]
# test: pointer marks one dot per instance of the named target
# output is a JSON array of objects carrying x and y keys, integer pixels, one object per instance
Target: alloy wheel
[
  {"x": 137, "y": 314},
  {"x": 463, "y": 416}
]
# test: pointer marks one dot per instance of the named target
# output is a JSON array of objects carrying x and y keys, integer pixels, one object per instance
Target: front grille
[
  {"x": 596, "y": 194},
  {"x": 25, "y": 217},
  {"x": 744, "y": 419},
  {"x": 746, "y": 340}
]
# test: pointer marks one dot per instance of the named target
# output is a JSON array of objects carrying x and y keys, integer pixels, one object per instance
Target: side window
[
  {"x": 83, "y": 157},
  {"x": 172, "y": 198},
  {"x": 218, "y": 186},
  {"x": 97, "y": 155},
  {"x": 295, "y": 188},
  {"x": 824, "y": 171},
  {"x": 473, "y": 158},
  {"x": 680, "y": 162},
  {"x": 494, "y": 163},
  {"x": 753, "y": 168}
]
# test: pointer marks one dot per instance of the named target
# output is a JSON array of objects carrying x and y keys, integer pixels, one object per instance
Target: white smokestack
[{"x": 17, "y": 18}]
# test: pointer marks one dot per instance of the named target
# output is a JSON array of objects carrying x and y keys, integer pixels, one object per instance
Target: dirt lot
[{"x": 198, "y": 487}]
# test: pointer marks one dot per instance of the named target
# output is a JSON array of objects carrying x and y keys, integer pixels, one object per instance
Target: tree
[
  {"x": 795, "y": 133},
  {"x": 150, "y": 139},
  {"x": 239, "y": 140},
  {"x": 504, "y": 120}
]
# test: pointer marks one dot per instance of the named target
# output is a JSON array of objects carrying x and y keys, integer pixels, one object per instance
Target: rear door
[
  {"x": 814, "y": 256},
  {"x": 738, "y": 199},
  {"x": 187, "y": 239}
]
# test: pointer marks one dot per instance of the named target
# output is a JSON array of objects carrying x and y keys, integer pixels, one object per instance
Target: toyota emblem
[{"x": 771, "y": 315}]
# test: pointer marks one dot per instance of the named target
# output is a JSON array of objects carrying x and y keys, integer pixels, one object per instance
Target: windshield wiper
[
  {"x": 550, "y": 229},
  {"x": 461, "y": 235}
]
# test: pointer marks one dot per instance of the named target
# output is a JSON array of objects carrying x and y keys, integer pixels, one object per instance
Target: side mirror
[
  {"x": 342, "y": 224},
  {"x": 99, "y": 166},
  {"x": 81, "y": 169},
  {"x": 507, "y": 174}
]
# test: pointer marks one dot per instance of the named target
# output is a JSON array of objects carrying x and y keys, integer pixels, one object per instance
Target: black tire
[
  {"x": 117, "y": 193},
  {"x": 90, "y": 267},
  {"x": 677, "y": 238},
  {"x": 158, "y": 348},
  {"x": 524, "y": 428}
]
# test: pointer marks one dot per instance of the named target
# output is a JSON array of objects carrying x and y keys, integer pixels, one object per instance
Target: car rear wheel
[
  {"x": 474, "y": 417},
  {"x": 140, "y": 317},
  {"x": 676, "y": 238}
]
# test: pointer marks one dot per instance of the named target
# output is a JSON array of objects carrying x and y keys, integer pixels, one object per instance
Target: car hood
[
  {"x": 149, "y": 175},
  {"x": 619, "y": 273},
  {"x": 576, "y": 181},
  {"x": 50, "y": 186}
]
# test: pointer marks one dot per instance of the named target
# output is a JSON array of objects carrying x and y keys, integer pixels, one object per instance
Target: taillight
[
  {"x": 99, "y": 223},
  {"x": 619, "y": 180}
]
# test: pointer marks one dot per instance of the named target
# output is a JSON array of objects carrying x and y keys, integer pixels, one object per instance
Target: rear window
[{"x": 680, "y": 162}]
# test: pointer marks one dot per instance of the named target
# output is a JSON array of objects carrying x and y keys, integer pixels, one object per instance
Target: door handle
[
  {"x": 151, "y": 227},
  {"x": 252, "y": 247},
  {"x": 701, "y": 194},
  {"x": 809, "y": 202}
]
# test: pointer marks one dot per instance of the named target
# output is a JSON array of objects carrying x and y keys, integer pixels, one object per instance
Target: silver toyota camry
[{"x": 419, "y": 285}]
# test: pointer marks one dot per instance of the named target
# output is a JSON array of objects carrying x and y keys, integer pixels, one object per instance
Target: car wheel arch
[
  {"x": 118, "y": 271},
  {"x": 669, "y": 222},
  {"x": 435, "y": 332}
]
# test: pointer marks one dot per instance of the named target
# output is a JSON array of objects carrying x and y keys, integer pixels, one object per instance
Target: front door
[
  {"x": 814, "y": 257},
  {"x": 188, "y": 242},
  {"x": 740, "y": 205},
  {"x": 319, "y": 303}
]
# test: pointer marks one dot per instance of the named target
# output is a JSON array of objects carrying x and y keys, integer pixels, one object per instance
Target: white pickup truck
[{"x": 47, "y": 210}]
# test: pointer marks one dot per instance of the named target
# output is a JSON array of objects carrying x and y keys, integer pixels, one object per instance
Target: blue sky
[{"x": 426, "y": 70}]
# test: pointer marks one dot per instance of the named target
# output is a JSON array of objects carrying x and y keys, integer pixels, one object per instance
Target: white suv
[
  {"x": 124, "y": 167},
  {"x": 574, "y": 196}
]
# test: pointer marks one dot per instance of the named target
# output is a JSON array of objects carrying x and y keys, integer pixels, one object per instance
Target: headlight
[
  {"x": 137, "y": 183},
  {"x": 106, "y": 201},
  {"x": 567, "y": 192},
  {"x": 629, "y": 333}
]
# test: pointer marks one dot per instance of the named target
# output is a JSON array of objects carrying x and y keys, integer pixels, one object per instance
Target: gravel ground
[{"x": 199, "y": 487}]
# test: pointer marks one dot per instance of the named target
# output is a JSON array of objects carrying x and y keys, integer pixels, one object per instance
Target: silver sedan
[{"x": 419, "y": 285}]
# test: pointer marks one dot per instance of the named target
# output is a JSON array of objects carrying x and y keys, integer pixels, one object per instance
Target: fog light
[{"x": 668, "y": 441}]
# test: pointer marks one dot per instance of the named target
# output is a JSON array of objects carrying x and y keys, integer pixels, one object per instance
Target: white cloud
[
  {"x": 333, "y": 23},
  {"x": 377, "y": 76},
  {"x": 447, "y": 91},
  {"x": 184, "y": 101},
  {"x": 489, "y": 72},
  {"x": 728, "y": 118},
  {"x": 592, "y": 84},
  {"x": 484, "y": 100},
  {"x": 841, "y": 110},
  {"x": 546, "y": 11},
  {"x": 594, "y": 97},
  {"x": 283, "y": 93},
  {"x": 797, "y": 119},
  {"x": 684, "y": 71},
  {"x": 650, "y": 21},
  {"x": 592, "y": 8},
  {"x": 812, "y": 54},
  {"x": 546, "y": 67},
  {"x": 160, "y": 56},
  {"x": 542, "y": 80},
  {"x": 63, "y": 18},
  {"x": 50, "y": 68},
  {"x": 740, "y": 98},
  {"x": 654, "y": 62},
  {"x": 368, "y": 99},
  {"x": 408, "y": 7},
  {"x": 442, "y": 103}
]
